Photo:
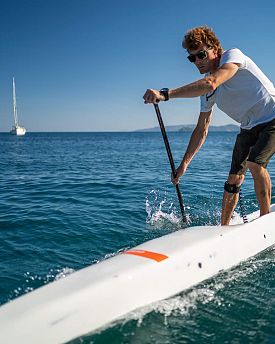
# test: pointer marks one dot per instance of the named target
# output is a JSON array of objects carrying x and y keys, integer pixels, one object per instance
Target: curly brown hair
[{"x": 201, "y": 35}]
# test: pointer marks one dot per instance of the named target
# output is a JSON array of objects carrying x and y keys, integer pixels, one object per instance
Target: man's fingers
[
  {"x": 175, "y": 180},
  {"x": 152, "y": 97}
]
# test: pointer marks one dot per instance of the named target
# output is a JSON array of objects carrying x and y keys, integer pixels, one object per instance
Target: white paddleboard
[{"x": 97, "y": 295}]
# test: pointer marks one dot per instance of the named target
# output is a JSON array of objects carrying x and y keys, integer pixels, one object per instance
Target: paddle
[{"x": 171, "y": 160}]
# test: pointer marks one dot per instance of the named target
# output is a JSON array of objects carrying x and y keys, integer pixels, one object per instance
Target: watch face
[{"x": 164, "y": 92}]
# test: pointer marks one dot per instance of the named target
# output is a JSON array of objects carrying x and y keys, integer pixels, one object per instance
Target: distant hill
[{"x": 190, "y": 127}]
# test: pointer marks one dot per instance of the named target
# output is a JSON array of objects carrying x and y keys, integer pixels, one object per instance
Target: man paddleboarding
[{"x": 239, "y": 88}]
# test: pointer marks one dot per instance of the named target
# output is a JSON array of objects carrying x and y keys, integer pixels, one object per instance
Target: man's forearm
[
  {"x": 196, "y": 141},
  {"x": 195, "y": 89}
]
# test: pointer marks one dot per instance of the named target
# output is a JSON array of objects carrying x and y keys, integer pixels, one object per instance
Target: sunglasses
[{"x": 201, "y": 55}]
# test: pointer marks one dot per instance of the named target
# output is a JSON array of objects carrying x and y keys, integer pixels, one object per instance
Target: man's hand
[
  {"x": 152, "y": 96},
  {"x": 180, "y": 172}
]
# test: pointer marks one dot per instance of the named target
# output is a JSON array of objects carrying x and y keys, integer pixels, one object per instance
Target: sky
[{"x": 84, "y": 65}]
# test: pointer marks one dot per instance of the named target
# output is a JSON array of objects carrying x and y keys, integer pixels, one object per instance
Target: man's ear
[{"x": 215, "y": 49}]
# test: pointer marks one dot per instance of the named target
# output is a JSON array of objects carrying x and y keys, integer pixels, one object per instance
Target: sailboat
[{"x": 16, "y": 129}]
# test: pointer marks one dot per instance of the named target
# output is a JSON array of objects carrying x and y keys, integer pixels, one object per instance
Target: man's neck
[{"x": 215, "y": 65}]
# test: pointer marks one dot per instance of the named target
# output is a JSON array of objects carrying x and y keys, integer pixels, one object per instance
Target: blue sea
[{"x": 69, "y": 200}]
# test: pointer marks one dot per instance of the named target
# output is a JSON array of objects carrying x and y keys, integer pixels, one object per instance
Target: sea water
[{"x": 69, "y": 200}]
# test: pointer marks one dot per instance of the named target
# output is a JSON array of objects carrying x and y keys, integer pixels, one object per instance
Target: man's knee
[
  {"x": 233, "y": 183},
  {"x": 235, "y": 179}
]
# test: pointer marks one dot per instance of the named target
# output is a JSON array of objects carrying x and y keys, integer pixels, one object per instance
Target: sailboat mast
[{"x": 14, "y": 103}]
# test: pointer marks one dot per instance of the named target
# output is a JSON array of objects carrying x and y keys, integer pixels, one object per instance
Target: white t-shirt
[{"x": 248, "y": 97}]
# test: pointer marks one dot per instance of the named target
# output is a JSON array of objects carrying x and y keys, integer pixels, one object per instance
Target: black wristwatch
[{"x": 165, "y": 93}]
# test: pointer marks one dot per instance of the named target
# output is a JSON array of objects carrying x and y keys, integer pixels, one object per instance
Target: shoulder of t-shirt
[{"x": 233, "y": 55}]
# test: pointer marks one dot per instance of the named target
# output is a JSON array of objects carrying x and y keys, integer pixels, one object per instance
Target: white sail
[{"x": 16, "y": 129}]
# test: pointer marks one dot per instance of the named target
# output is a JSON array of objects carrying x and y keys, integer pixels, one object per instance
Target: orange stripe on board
[{"x": 158, "y": 257}]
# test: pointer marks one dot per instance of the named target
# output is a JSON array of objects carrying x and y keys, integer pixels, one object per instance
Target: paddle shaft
[{"x": 171, "y": 160}]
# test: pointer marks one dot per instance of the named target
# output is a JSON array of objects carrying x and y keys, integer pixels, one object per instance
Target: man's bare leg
[
  {"x": 262, "y": 185},
  {"x": 230, "y": 200}
]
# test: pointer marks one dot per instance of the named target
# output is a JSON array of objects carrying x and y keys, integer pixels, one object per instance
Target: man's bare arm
[
  {"x": 197, "y": 88},
  {"x": 196, "y": 141},
  {"x": 207, "y": 84}
]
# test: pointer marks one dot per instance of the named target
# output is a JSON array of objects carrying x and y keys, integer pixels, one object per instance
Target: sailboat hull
[{"x": 18, "y": 131}]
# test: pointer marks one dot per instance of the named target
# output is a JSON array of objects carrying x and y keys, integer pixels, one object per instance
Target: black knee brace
[{"x": 231, "y": 188}]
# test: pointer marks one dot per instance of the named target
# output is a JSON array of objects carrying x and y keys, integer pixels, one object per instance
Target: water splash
[
  {"x": 210, "y": 291},
  {"x": 181, "y": 304},
  {"x": 63, "y": 273},
  {"x": 161, "y": 212},
  {"x": 109, "y": 255}
]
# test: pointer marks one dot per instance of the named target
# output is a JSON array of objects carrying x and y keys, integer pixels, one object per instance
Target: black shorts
[{"x": 256, "y": 145}]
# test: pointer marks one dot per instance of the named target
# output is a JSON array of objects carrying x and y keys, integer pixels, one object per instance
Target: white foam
[
  {"x": 64, "y": 273},
  {"x": 177, "y": 305},
  {"x": 188, "y": 301},
  {"x": 160, "y": 210}
]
